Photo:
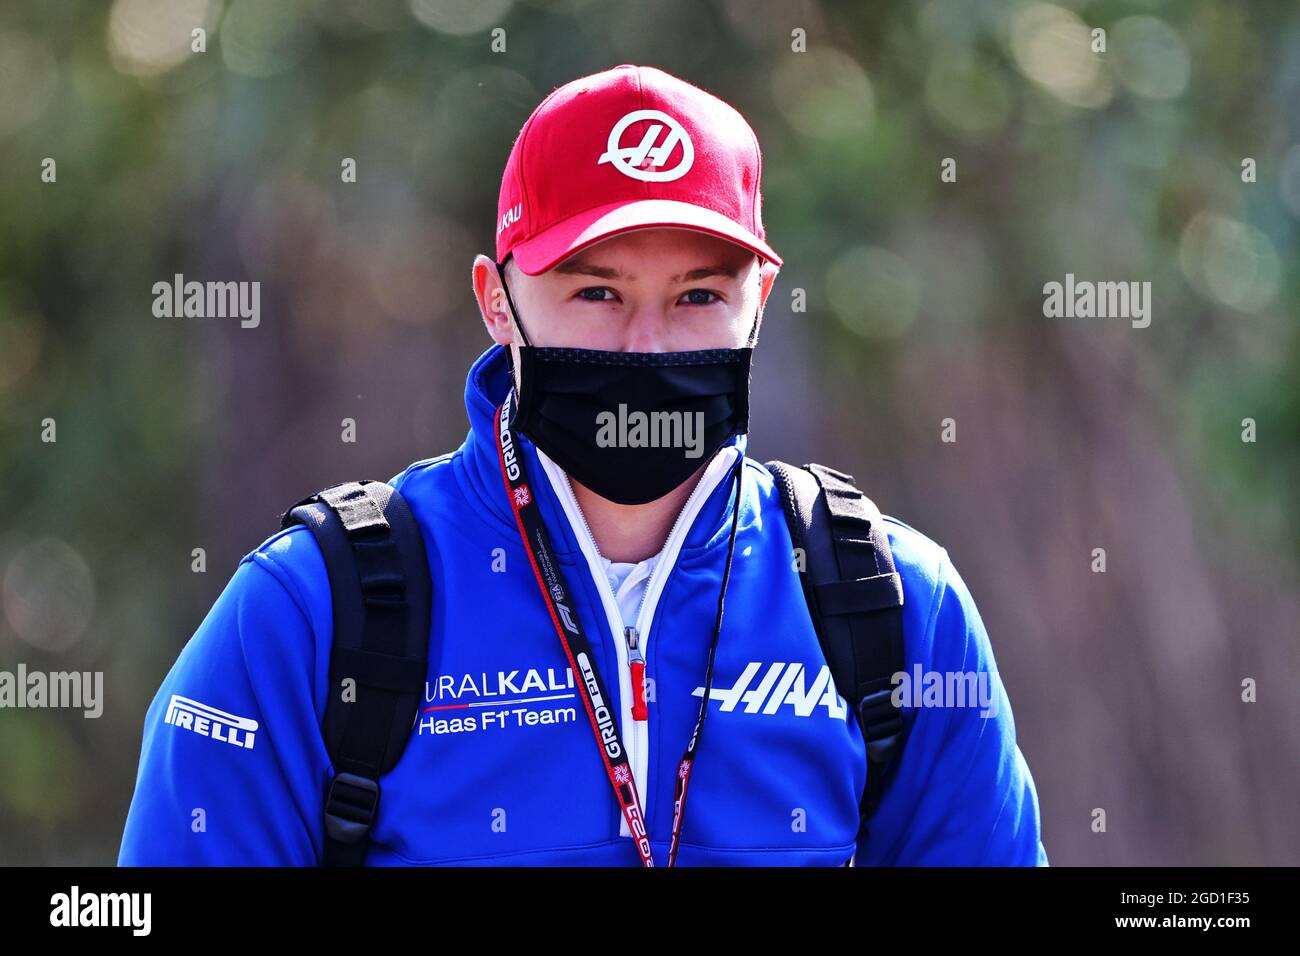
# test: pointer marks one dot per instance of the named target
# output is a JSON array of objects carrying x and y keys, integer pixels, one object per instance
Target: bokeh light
[
  {"x": 48, "y": 593},
  {"x": 873, "y": 292},
  {"x": 827, "y": 96},
  {"x": 150, "y": 37},
  {"x": 1151, "y": 58},
  {"x": 1053, "y": 47},
  {"x": 1230, "y": 261},
  {"x": 459, "y": 17}
]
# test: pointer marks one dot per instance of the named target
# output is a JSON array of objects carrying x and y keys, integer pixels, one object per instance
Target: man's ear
[
  {"x": 766, "y": 279},
  {"x": 491, "y": 297},
  {"x": 495, "y": 308}
]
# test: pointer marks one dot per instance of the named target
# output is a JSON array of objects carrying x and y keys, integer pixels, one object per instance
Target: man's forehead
[{"x": 711, "y": 262}]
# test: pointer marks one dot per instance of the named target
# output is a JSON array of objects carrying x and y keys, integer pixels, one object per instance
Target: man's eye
[
  {"x": 693, "y": 297},
  {"x": 595, "y": 293}
]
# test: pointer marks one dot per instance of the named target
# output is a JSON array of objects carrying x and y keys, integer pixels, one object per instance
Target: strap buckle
[
  {"x": 882, "y": 730},
  {"x": 350, "y": 807},
  {"x": 882, "y": 724}
]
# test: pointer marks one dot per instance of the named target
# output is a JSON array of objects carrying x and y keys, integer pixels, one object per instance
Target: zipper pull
[{"x": 637, "y": 662}]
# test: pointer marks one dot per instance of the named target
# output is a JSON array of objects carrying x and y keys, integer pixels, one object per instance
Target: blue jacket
[{"x": 502, "y": 767}]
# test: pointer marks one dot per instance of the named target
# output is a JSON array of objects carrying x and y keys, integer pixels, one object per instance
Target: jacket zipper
[
  {"x": 636, "y": 731},
  {"x": 637, "y": 668},
  {"x": 636, "y": 734}
]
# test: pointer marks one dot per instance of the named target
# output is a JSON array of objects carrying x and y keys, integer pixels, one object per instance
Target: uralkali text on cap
[{"x": 630, "y": 148}]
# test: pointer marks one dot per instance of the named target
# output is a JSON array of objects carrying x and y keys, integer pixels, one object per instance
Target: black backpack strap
[
  {"x": 380, "y": 587},
  {"x": 855, "y": 596}
]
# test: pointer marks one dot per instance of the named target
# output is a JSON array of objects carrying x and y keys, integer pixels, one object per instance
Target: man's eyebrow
[
  {"x": 583, "y": 268},
  {"x": 579, "y": 267},
  {"x": 719, "y": 270}
]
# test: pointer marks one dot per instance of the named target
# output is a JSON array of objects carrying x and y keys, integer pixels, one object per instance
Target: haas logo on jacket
[{"x": 782, "y": 685}]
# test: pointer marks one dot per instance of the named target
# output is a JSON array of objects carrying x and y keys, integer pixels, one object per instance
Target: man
[{"x": 581, "y": 550}]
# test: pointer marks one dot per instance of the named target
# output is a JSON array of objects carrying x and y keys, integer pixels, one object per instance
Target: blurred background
[{"x": 922, "y": 300}]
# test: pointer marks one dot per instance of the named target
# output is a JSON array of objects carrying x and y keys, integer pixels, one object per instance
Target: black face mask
[{"x": 631, "y": 426}]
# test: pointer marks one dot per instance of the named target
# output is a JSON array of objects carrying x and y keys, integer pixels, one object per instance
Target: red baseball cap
[{"x": 630, "y": 148}]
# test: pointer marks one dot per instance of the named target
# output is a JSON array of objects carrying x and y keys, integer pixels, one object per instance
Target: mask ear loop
[
  {"x": 753, "y": 333},
  {"x": 758, "y": 319},
  {"x": 519, "y": 324}
]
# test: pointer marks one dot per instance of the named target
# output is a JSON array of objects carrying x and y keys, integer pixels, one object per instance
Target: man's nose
[{"x": 645, "y": 330}]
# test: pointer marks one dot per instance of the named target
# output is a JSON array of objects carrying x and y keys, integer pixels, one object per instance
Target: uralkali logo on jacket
[{"x": 459, "y": 703}]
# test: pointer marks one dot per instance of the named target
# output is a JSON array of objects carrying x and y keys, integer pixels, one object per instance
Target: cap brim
[{"x": 552, "y": 246}]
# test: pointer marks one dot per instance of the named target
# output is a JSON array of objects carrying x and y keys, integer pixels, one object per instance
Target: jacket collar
[{"x": 485, "y": 389}]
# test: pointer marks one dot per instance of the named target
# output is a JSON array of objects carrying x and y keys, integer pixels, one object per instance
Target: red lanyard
[{"x": 595, "y": 698}]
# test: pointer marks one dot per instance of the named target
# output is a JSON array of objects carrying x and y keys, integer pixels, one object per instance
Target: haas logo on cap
[{"x": 642, "y": 161}]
